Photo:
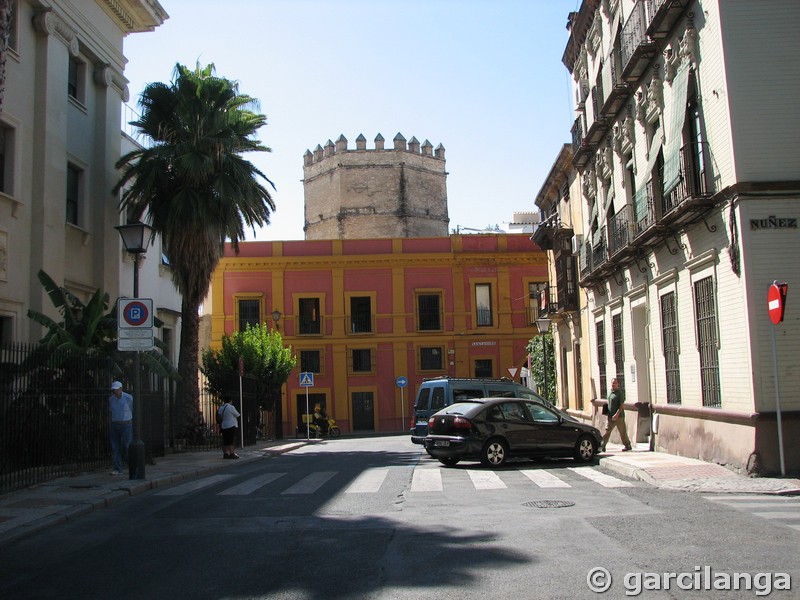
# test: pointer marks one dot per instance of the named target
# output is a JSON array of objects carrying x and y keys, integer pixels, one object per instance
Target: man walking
[
  {"x": 616, "y": 416},
  {"x": 120, "y": 405}
]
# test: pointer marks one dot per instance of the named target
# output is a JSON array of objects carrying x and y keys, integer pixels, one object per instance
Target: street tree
[
  {"x": 542, "y": 354},
  {"x": 196, "y": 190}
]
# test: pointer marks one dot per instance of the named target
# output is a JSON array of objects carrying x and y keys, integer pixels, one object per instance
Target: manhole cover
[{"x": 549, "y": 504}]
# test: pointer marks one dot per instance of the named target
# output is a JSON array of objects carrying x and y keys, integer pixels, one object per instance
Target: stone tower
[{"x": 361, "y": 193}]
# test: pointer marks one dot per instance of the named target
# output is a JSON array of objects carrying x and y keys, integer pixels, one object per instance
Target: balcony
[
  {"x": 645, "y": 216},
  {"x": 636, "y": 48},
  {"x": 309, "y": 325},
  {"x": 693, "y": 193},
  {"x": 663, "y": 15},
  {"x": 619, "y": 235},
  {"x": 361, "y": 323},
  {"x": 617, "y": 90},
  {"x": 581, "y": 153}
]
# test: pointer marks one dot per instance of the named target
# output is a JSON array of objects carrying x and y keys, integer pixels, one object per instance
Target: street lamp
[
  {"x": 276, "y": 316},
  {"x": 544, "y": 326},
  {"x": 136, "y": 238}
]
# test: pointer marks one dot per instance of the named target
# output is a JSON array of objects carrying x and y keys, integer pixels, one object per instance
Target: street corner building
[{"x": 679, "y": 199}]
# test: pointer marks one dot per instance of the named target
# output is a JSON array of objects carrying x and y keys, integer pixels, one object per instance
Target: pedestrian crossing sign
[{"x": 307, "y": 379}]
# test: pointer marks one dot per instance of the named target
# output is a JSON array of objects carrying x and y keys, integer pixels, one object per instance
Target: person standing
[
  {"x": 120, "y": 405},
  {"x": 616, "y": 416},
  {"x": 229, "y": 424}
]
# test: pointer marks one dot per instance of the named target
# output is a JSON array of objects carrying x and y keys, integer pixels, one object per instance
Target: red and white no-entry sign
[{"x": 776, "y": 301}]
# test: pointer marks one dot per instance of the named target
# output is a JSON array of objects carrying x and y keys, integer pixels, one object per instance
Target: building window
[
  {"x": 309, "y": 317},
  {"x": 360, "y": 314},
  {"x": 600, "y": 331},
  {"x": 6, "y": 329},
  {"x": 669, "y": 338},
  {"x": 431, "y": 359},
  {"x": 249, "y": 313},
  {"x": 74, "y": 185},
  {"x": 361, "y": 360},
  {"x": 429, "y": 313},
  {"x": 76, "y": 80},
  {"x": 483, "y": 367},
  {"x": 310, "y": 361},
  {"x": 619, "y": 349},
  {"x": 13, "y": 38},
  {"x": 706, "y": 315},
  {"x": 483, "y": 304}
]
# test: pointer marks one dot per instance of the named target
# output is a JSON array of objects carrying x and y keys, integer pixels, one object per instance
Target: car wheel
[
  {"x": 449, "y": 462},
  {"x": 494, "y": 453},
  {"x": 585, "y": 448}
]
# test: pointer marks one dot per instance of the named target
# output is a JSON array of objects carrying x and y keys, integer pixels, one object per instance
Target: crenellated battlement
[{"x": 400, "y": 144}]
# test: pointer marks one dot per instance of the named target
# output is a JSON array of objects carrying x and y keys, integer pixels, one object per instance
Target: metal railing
[
  {"x": 618, "y": 237},
  {"x": 692, "y": 181},
  {"x": 634, "y": 33}
]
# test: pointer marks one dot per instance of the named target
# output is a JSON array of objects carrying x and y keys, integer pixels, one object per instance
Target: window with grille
[
  {"x": 309, "y": 317},
  {"x": 669, "y": 339},
  {"x": 360, "y": 314},
  {"x": 4, "y": 158},
  {"x": 706, "y": 315},
  {"x": 361, "y": 360},
  {"x": 483, "y": 367},
  {"x": 619, "y": 349},
  {"x": 429, "y": 312},
  {"x": 483, "y": 304},
  {"x": 74, "y": 183},
  {"x": 249, "y": 313},
  {"x": 600, "y": 331},
  {"x": 310, "y": 361},
  {"x": 431, "y": 359}
]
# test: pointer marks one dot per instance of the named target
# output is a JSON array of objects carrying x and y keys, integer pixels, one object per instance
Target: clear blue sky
[{"x": 482, "y": 78}]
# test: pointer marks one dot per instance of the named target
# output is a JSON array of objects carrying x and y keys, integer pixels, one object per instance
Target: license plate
[{"x": 441, "y": 443}]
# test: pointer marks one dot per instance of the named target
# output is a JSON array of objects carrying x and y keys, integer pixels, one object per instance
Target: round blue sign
[
  {"x": 402, "y": 381},
  {"x": 135, "y": 313}
]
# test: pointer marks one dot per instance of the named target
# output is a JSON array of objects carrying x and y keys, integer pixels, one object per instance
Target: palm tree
[{"x": 195, "y": 190}]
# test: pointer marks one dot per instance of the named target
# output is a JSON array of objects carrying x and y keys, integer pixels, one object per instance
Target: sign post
[
  {"x": 401, "y": 383},
  {"x": 307, "y": 381},
  {"x": 776, "y": 304},
  {"x": 241, "y": 401}
]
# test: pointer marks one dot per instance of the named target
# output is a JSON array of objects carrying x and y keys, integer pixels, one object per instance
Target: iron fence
[{"x": 54, "y": 416}]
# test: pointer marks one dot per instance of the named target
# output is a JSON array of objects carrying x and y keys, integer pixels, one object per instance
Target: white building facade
[
  {"x": 60, "y": 138},
  {"x": 685, "y": 142}
]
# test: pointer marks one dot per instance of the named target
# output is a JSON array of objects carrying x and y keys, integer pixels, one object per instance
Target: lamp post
[
  {"x": 136, "y": 238},
  {"x": 276, "y": 316},
  {"x": 544, "y": 326}
]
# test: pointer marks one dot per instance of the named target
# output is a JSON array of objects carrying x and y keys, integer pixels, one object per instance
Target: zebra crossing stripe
[
  {"x": 544, "y": 479},
  {"x": 426, "y": 480},
  {"x": 251, "y": 485},
  {"x": 601, "y": 478},
  {"x": 485, "y": 480},
  {"x": 310, "y": 483},
  {"x": 370, "y": 481},
  {"x": 193, "y": 486}
]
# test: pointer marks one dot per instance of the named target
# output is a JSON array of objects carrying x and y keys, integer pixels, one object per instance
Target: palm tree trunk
[{"x": 189, "y": 420}]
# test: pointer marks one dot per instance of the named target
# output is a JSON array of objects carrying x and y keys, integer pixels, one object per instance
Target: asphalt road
[{"x": 377, "y": 518}]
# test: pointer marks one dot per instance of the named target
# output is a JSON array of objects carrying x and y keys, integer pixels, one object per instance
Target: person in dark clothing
[{"x": 616, "y": 416}]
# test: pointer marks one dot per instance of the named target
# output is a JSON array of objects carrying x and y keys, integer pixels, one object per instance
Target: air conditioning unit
[{"x": 577, "y": 241}]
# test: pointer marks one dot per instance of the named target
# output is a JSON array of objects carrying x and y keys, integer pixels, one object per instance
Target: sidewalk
[
  {"x": 40, "y": 506},
  {"x": 671, "y": 472},
  {"x": 33, "y": 509}
]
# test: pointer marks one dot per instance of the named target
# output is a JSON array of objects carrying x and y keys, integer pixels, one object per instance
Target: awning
[{"x": 672, "y": 147}]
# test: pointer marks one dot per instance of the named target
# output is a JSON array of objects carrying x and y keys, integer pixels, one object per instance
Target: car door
[
  {"x": 549, "y": 434},
  {"x": 513, "y": 423}
]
